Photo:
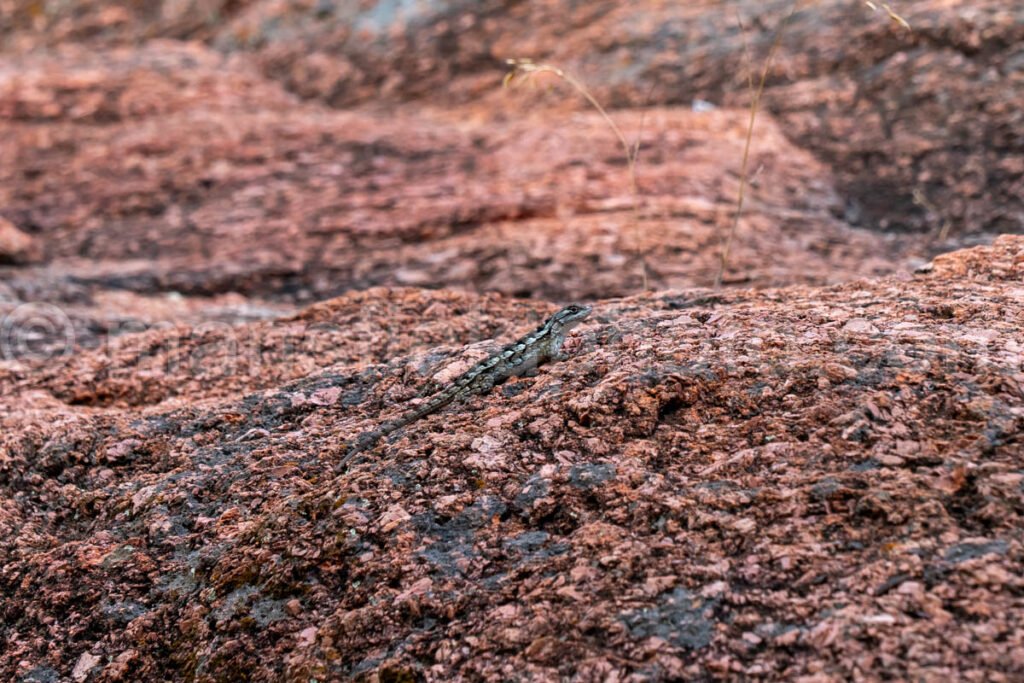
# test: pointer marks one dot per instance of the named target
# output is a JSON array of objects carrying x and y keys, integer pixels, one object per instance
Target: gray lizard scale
[{"x": 518, "y": 358}]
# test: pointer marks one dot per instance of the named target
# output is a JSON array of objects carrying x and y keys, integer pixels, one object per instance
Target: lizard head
[{"x": 570, "y": 316}]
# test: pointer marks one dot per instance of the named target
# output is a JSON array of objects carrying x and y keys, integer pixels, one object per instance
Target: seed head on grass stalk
[
  {"x": 890, "y": 11},
  {"x": 521, "y": 70}
]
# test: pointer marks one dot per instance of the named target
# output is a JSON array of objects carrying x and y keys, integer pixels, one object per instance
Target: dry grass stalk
[
  {"x": 755, "y": 105},
  {"x": 754, "y": 108},
  {"x": 524, "y": 69}
]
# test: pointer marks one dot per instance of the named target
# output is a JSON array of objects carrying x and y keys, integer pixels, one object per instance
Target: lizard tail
[
  {"x": 368, "y": 440},
  {"x": 361, "y": 443}
]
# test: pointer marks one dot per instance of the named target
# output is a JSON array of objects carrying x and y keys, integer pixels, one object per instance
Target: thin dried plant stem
[
  {"x": 747, "y": 63},
  {"x": 636, "y": 193},
  {"x": 525, "y": 68},
  {"x": 891, "y": 12},
  {"x": 921, "y": 200},
  {"x": 755, "y": 105}
]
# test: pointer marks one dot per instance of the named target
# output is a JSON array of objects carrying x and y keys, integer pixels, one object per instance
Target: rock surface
[
  {"x": 800, "y": 482},
  {"x": 16, "y": 248},
  {"x": 923, "y": 126},
  {"x": 135, "y": 188},
  {"x": 234, "y": 234}
]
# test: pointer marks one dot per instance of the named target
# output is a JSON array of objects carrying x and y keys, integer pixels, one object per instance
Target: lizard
[{"x": 518, "y": 358}]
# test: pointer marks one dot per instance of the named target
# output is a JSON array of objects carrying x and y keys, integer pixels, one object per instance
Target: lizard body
[{"x": 518, "y": 358}]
